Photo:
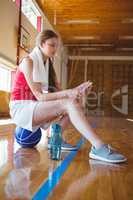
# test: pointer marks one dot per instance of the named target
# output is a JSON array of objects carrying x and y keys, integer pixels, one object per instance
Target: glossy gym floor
[{"x": 31, "y": 174}]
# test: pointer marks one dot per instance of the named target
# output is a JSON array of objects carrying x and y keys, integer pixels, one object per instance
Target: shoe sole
[
  {"x": 106, "y": 160},
  {"x": 66, "y": 149}
]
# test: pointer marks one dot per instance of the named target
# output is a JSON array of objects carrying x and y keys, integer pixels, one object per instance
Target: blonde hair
[{"x": 45, "y": 35}]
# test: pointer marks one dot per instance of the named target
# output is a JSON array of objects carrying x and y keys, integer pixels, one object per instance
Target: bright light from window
[
  {"x": 3, "y": 152},
  {"x": 5, "y": 79},
  {"x": 30, "y": 11}
]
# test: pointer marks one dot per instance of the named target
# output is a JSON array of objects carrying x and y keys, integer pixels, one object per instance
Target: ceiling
[{"x": 94, "y": 24}]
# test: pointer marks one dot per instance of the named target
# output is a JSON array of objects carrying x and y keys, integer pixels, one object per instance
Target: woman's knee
[{"x": 70, "y": 104}]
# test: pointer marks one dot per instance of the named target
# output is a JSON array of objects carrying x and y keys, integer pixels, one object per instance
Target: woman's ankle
[{"x": 98, "y": 144}]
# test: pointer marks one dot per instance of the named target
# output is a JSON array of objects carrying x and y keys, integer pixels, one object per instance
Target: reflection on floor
[{"x": 22, "y": 171}]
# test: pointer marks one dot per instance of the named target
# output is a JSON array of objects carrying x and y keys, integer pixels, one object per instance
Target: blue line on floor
[{"x": 55, "y": 177}]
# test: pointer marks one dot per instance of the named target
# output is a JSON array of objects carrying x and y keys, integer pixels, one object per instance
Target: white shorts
[{"x": 21, "y": 112}]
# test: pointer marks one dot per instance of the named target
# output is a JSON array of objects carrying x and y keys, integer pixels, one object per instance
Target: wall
[
  {"x": 112, "y": 93},
  {"x": 8, "y": 33}
]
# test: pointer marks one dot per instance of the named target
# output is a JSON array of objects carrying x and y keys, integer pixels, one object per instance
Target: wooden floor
[{"x": 24, "y": 171}]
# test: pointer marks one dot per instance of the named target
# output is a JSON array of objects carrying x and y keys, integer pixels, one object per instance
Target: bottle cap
[{"x": 56, "y": 127}]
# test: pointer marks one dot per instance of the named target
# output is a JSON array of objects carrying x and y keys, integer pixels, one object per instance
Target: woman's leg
[
  {"x": 47, "y": 111},
  {"x": 64, "y": 122}
]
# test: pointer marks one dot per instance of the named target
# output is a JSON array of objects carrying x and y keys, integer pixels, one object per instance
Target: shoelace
[{"x": 111, "y": 150}]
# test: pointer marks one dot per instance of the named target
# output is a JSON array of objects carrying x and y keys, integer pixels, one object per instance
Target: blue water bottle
[{"x": 55, "y": 142}]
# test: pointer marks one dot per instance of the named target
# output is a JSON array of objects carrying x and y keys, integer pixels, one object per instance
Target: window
[
  {"x": 31, "y": 12},
  {"x": 3, "y": 152},
  {"x": 5, "y": 78}
]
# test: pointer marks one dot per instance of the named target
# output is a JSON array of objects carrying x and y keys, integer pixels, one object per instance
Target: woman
[{"x": 32, "y": 107}]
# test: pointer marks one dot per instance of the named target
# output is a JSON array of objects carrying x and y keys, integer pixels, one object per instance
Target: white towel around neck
[{"x": 40, "y": 71}]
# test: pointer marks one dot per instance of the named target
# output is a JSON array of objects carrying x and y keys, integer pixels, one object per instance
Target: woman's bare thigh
[{"x": 47, "y": 111}]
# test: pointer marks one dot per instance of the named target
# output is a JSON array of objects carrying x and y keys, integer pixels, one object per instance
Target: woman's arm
[{"x": 27, "y": 68}]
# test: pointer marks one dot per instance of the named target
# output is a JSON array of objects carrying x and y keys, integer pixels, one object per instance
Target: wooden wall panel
[
  {"x": 112, "y": 92},
  {"x": 122, "y": 74},
  {"x": 130, "y": 90},
  {"x": 95, "y": 73},
  {"x": 76, "y": 69}
]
